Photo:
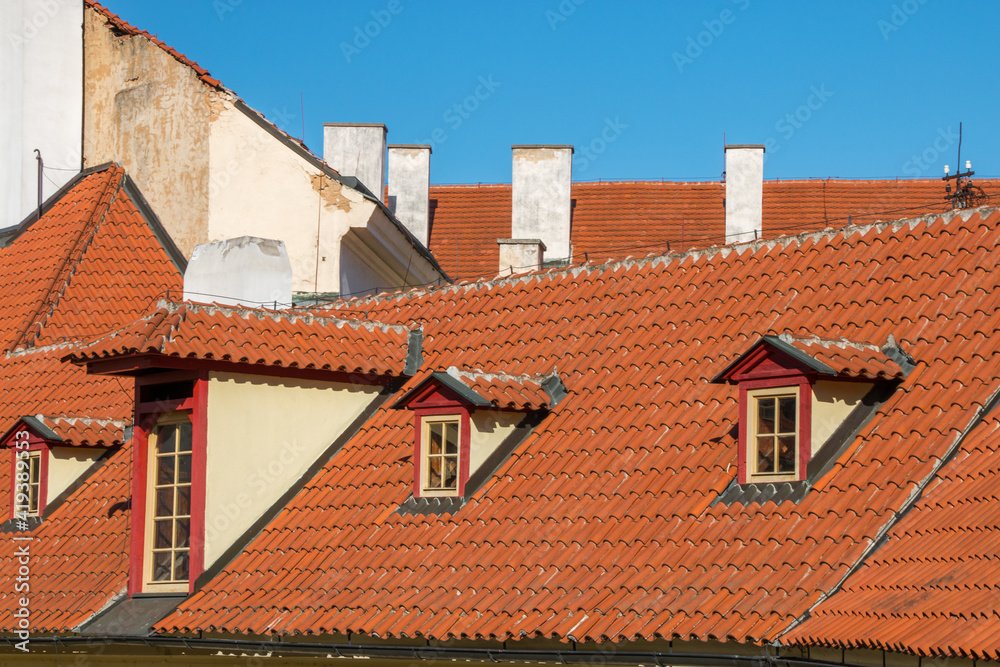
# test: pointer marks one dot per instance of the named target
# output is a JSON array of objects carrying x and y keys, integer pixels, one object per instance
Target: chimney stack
[
  {"x": 409, "y": 188},
  {"x": 520, "y": 255},
  {"x": 744, "y": 192},
  {"x": 541, "y": 199},
  {"x": 357, "y": 149},
  {"x": 245, "y": 271}
]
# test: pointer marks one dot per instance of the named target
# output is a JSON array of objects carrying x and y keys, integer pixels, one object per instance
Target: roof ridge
[
  {"x": 460, "y": 374},
  {"x": 670, "y": 257},
  {"x": 829, "y": 342},
  {"x": 78, "y": 247},
  {"x": 287, "y": 315}
]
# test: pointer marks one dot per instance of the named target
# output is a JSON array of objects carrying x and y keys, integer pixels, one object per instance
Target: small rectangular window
[
  {"x": 169, "y": 504},
  {"x": 773, "y": 434},
  {"x": 440, "y": 457}
]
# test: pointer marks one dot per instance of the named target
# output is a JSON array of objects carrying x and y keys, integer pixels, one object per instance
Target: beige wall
[
  {"x": 66, "y": 465},
  {"x": 489, "y": 428},
  {"x": 832, "y": 403},
  {"x": 150, "y": 113},
  {"x": 263, "y": 433}
]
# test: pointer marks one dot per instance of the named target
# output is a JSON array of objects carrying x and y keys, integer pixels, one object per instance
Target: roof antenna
[
  {"x": 38, "y": 156},
  {"x": 966, "y": 194}
]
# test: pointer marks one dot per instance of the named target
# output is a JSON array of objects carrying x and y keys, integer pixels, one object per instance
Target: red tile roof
[
  {"x": 847, "y": 358},
  {"x": 601, "y": 525},
  {"x": 932, "y": 588},
  {"x": 490, "y": 389},
  {"x": 619, "y": 219},
  {"x": 91, "y": 264},
  {"x": 86, "y": 432},
  {"x": 259, "y": 337}
]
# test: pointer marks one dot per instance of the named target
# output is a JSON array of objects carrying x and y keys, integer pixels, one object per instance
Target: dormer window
[
  {"x": 465, "y": 424},
  {"x": 28, "y": 483},
  {"x": 440, "y": 458},
  {"x": 794, "y": 395},
  {"x": 169, "y": 504}
]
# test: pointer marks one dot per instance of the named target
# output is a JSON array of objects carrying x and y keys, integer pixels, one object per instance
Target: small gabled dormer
[
  {"x": 465, "y": 424},
  {"x": 49, "y": 456},
  {"x": 796, "y": 395}
]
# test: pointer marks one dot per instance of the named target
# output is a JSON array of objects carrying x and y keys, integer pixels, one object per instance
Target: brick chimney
[{"x": 744, "y": 192}]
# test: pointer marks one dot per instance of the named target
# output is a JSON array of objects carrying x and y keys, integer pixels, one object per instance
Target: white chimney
[
  {"x": 245, "y": 271},
  {"x": 744, "y": 192},
  {"x": 357, "y": 149},
  {"x": 409, "y": 187},
  {"x": 520, "y": 255},
  {"x": 541, "y": 199}
]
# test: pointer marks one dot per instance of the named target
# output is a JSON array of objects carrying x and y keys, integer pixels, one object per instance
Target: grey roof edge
[
  {"x": 798, "y": 355},
  {"x": 898, "y": 355},
  {"x": 37, "y": 424},
  {"x": 555, "y": 388},
  {"x": 10, "y": 234},
  {"x": 349, "y": 181},
  {"x": 159, "y": 231}
]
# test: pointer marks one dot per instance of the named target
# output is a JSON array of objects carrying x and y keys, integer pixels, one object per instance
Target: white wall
[
  {"x": 68, "y": 464},
  {"x": 541, "y": 206},
  {"x": 41, "y": 100},
  {"x": 263, "y": 434}
]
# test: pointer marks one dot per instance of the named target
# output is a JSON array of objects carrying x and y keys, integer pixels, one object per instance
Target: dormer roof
[
  {"x": 496, "y": 390},
  {"x": 73, "y": 431}
]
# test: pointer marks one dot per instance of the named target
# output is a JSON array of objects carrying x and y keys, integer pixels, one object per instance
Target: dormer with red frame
[
  {"x": 795, "y": 395},
  {"x": 465, "y": 424},
  {"x": 50, "y": 456},
  {"x": 234, "y": 410}
]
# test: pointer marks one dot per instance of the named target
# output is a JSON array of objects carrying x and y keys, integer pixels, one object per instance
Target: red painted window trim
[
  {"x": 197, "y": 407},
  {"x": 455, "y": 409},
  {"x": 34, "y": 444},
  {"x": 804, "y": 427}
]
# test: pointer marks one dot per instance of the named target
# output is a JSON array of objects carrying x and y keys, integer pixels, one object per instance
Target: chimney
[
  {"x": 357, "y": 149},
  {"x": 744, "y": 192},
  {"x": 541, "y": 197},
  {"x": 245, "y": 271},
  {"x": 409, "y": 187},
  {"x": 520, "y": 255}
]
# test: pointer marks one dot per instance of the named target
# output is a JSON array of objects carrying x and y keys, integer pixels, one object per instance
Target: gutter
[{"x": 427, "y": 653}]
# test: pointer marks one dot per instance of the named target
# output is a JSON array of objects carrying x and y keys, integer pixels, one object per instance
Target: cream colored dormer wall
[
  {"x": 489, "y": 429},
  {"x": 832, "y": 402},
  {"x": 67, "y": 465},
  {"x": 263, "y": 434}
]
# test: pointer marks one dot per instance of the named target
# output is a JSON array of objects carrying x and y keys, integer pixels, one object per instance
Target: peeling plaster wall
[
  {"x": 150, "y": 113},
  {"x": 261, "y": 188}
]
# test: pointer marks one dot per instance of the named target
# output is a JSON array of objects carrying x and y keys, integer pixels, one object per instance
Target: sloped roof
[
  {"x": 91, "y": 264},
  {"x": 601, "y": 525},
  {"x": 77, "y": 431},
  {"x": 498, "y": 390},
  {"x": 618, "y": 219},
  {"x": 256, "y": 336}
]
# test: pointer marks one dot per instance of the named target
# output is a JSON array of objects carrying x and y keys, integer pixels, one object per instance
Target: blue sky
[{"x": 643, "y": 90}]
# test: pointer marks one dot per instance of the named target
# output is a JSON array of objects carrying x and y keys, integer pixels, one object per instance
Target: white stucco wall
[
  {"x": 68, "y": 464},
  {"x": 409, "y": 188},
  {"x": 263, "y": 434},
  {"x": 541, "y": 204},
  {"x": 489, "y": 429},
  {"x": 41, "y": 100},
  {"x": 744, "y": 192}
]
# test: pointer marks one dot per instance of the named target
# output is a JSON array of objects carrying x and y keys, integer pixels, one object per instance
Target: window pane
[
  {"x": 451, "y": 473},
  {"x": 184, "y": 443},
  {"x": 165, "y": 438},
  {"x": 181, "y": 566},
  {"x": 786, "y": 410},
  {"x": 34, "y": 467},
  {"x": 32, "y": 498},
  {"x": 765, "y": 415},
  {"x": 184, "y": 469},
  {"x": 162, "y": 534},
  {"x": 183, "y": 501},
  {"x": 436, "y": 437},
  {"x": 164, "y": 501},
  {"x": 183, "y": 528},
  {"x": 165, "y": 470},
  {"x": 765, "y": 454},
  {"x": 161, "y": 566},
  {"x": 451, "y": 438},
  {"x": 786, "y": 453},
  {"x": 434, "y": 475}
]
